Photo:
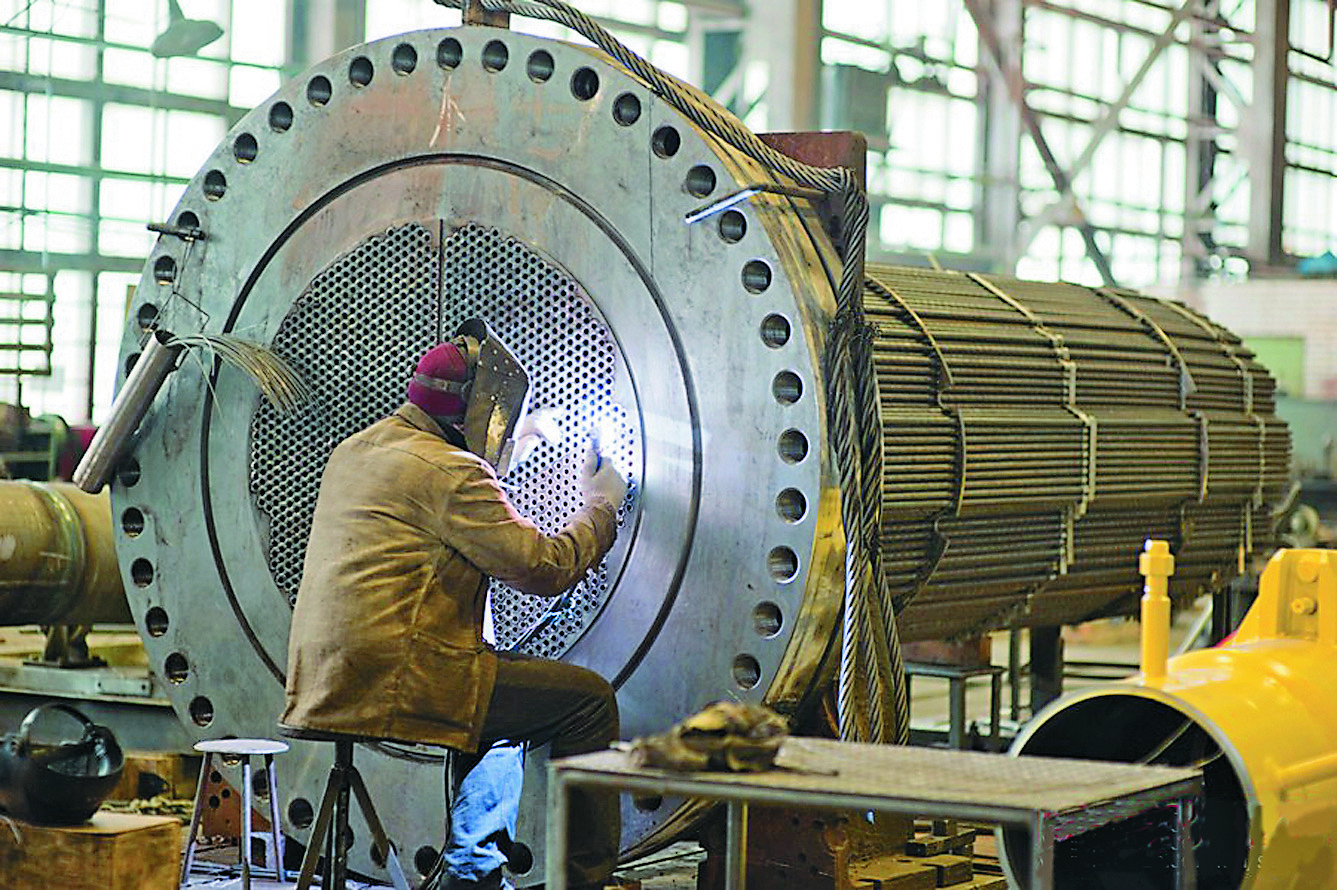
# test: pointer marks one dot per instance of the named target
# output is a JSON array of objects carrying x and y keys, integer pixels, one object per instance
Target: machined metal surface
[{"x": 400, "y": 187}]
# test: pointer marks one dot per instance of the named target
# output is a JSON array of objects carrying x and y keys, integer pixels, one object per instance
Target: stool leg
[
  {"x": 378, "y": 834},
  {"x": 195, "y": 819},
  {"x": 319, "y": 833},
  {"x": 343, "y": 764},
  {"x": 246, "y": 804},
  {"x": 276, "y": 828}
]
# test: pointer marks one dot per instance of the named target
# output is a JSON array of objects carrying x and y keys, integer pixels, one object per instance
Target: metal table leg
[
  {"x": 1042, "y": 855},
  {"x": 995, "y": 711},
  {"x": 1186, "y": 869},
  {"x": 956, "y": 721},
  {"x": 735, "y": 849},
  {"x": 555, "y": 856}
]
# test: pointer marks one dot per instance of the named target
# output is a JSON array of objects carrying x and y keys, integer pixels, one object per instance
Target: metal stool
[
  {"x": 332, "y": 817},
  {"x": 243, "y": 748}
]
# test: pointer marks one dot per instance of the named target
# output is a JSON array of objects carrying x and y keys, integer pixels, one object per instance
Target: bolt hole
[
  {"x": 783, "y": 564},
  {"x": 245, "y": 148},
  {"x": 164, "y": 270},
  {"x": 176, "y": 669},
  {"x": 130, "y": 361},
  {"x": 584, "y": 84},
  {"x": 775, "y": 331},
  {"x": 700, "y": 181},
  {"x": 132, "y": 522},
  {"x": 141, "y": 572},
  {"x": 756, "y": 276},
  {"x": 787, "y": 387},
  {"x": 128, "y": 472},
  {"x": 627, "y": 109},
  {"x": 155, "y": 621},
  {"x": 647, "y": 804},
  {"x": 404, "y": 60},
  {"x": 215, "y": 185},
  {"x": 214, "y": 802},
  {"x": 495, "y": 56},
  {"x": 791, "y": 505},
  {"x": 424, "y": 858},
  {"x": 766, "y": 618},
  {"x": 188, "y": 220},
  {"x": 666, "y": 142},
  {"x": 319, "y": 91},
  {"x": 733, "y": 226},
  {"x": 280, "y": 117},
  {"x": 449, "y": 53},
  {"x": 360, "y": 71},
  {"x": 201, "y": 711},
  {"x": 300, "y": 813},
  {"x": 793, "y": 446},
  {"x": 746, "y": 672},
  {"x": 540, "y": 66},
  {"x": 521, "y": 859}
]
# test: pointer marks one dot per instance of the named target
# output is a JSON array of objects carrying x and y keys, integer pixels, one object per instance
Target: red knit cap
[{"x": 441, "y": 365}]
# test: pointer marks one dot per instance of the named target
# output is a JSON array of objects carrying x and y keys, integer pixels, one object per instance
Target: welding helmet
[
  {"x": 498, "y": 394},
  {"x": 58, "y": 783}
]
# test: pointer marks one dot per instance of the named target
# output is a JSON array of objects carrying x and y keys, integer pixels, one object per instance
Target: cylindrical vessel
[
  {"x": 57, "y": 556},
  {"x": 1257, "y": 715}
]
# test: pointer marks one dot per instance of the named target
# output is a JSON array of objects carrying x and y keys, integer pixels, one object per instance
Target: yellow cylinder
[
  {"x": 1258, "y": 715},
  {"x": 1156, "y": 565},
  {"x": 57, "y": 556}
]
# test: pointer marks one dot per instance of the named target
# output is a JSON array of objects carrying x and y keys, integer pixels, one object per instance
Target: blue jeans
[{"x": 485, "y": 807}]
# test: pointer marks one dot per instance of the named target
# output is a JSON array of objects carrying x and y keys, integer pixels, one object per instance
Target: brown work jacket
[{"x": 386, "y": 635}]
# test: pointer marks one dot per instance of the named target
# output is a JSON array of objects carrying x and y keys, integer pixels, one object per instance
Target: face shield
[{"x": 498, "y": 394}]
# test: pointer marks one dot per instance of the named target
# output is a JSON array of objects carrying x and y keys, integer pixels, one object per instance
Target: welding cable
[{"x": 879, "y": 712}]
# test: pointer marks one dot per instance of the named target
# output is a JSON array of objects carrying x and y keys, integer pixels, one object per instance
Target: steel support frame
[{"x": 1263, "y": 131}]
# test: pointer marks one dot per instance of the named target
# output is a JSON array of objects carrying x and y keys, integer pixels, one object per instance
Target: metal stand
[
  {"x": 245, "y": 749},
  {"x": 956, "y": 676}
]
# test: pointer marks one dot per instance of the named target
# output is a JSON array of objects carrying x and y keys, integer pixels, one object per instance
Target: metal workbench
[{"x": 1051, "y": 799}]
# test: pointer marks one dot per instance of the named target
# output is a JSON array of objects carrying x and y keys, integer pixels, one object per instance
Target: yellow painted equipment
[{"x": 1257, "y": 713}]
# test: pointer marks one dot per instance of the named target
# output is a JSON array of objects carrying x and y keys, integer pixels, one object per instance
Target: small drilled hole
[
  {"x": 245, "y": 148},
  {"x": 280, "y": 117},
  {"x": 540, "y": 66},
  {"x": 783, "y": 563},
  {"x": 666, "y": 142},
  {"x": 214, "y": 802},
  {"x": 775, "y": 331},
  {"x": 300, "y": 813},
  {"x": 584, "y": 84},
  {"x": 767, "y": 620},
  {"x": 746, "y": 671},
  {"x": 793, "y": 446},
  {"x": 360, "y": 71},
  {"x": 733, "y": 226},
  {"x": 700, "y": 181},
  {"x": 647, "y": 804},
  {"x": 787, "y": 387},
  {"x": 627, "y": 109},
  {"x": 404, "y": 59},
  {"x": 155, "y": 621},
  {"x": 141, "y": 572},
  {"x": 495, "y": 55},
  {"x": 425, "y": 858},
  {"x": 132, "y": 522},
  {"x": 756, "y": 276},
  {"x": 128, "y": 472},
  {"x": 319, "y": 91},
  {"x": 449, "y": 53},
  {"x": 176, "y": 669},
  {"x": 164, "y": 270},
  {"x": 215, "y": 185},
  {"x": 215, "y": 776},
  {"x": 791, "y": 505},
  {"x": 201, "y": 711}
]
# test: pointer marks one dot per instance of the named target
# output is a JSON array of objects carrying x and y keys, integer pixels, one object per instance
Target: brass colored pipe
[{"x": 57, "y": 556}]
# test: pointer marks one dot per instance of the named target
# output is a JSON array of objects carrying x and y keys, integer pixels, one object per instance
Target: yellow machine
[{"x": 1256, "y": 714}]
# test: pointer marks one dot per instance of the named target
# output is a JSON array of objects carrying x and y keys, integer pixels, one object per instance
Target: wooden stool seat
[{"x": 244, "y": 749}]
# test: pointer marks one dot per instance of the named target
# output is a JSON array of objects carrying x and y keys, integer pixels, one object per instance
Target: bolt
[{"x": 1304, "y": 605}]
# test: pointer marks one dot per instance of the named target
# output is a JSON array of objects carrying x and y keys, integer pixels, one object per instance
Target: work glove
[{"x": 600, "y": 480}]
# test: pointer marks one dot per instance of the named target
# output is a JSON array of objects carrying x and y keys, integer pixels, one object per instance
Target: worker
[{"x": 410, "y": 523}]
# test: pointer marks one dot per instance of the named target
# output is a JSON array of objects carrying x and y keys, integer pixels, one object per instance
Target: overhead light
[{"x": 183, "y": 37}]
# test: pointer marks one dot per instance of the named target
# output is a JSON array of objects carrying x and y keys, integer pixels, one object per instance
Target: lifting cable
[{"x": 871, "y": 694}]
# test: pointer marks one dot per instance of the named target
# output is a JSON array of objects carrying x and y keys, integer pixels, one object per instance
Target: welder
[{"x": 410, "y": 523}]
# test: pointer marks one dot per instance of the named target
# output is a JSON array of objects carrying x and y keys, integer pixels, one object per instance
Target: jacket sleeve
[{"x": 481, "y": 524}]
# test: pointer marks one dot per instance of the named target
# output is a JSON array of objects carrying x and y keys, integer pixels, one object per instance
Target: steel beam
[
  {"x": 1263, "y": 132},
  {"x": 998, "y": 156}
]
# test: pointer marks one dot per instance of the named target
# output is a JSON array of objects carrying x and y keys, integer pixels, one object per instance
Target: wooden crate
[
  {"x": 113, "y": 851},
  {"x": 148, "y": 773}
]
